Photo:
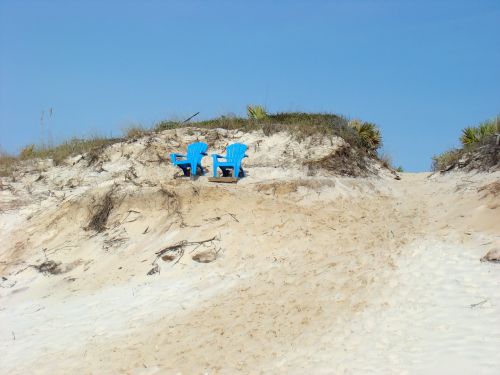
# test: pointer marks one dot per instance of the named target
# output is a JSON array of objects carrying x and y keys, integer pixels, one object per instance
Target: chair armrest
[
  {"x": 204, "y": 153},
  {"x": 219, "y": 156},
  {"x": 179, "y": 155}
]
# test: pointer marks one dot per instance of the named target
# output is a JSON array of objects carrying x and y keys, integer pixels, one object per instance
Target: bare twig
[
  {"x": 179, "y": 248},
  {"x": 155, "y": 269},
  {"x": 478, "y": 304},
  {"x": 181, "y": 254},
  {"x": 60, "y": 247},
  {"x": 128, "y": 214},
  {"x": 234, "y": 217}
]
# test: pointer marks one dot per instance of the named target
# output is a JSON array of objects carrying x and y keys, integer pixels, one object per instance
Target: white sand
[{"x": 319, "y": 275}]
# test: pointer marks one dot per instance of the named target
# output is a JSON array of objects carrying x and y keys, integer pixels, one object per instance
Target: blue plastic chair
[
  {"x": 191, "y": 162},
  {"x": 234, "y": 155}
]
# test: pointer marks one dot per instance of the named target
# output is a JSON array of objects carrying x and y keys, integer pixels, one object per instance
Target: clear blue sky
[{"x": 421, "y": 70}]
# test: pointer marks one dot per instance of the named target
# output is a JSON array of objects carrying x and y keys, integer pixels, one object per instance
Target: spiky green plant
[
  {"x": 474, "y": 134},
  {"x": 470, "y": 135},
  {"x": 256, "y": 112},
  {"x": 369, "y": 133}
]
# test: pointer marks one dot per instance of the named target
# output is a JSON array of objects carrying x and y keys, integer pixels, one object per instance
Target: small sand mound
[
  {"x": 492, "y": 256},
  {"x": 205, "y": 257}
]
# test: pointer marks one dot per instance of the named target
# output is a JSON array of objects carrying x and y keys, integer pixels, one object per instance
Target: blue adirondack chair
[
  {"x": 191, "y": 162},
  {"x": 234, "y": 155}
]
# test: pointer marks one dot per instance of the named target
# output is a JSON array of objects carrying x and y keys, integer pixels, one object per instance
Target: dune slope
[{"x": 284, "y": 272}]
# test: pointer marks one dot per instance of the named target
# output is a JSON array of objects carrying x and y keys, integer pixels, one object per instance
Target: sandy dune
[{"x": 316, "y": 274}]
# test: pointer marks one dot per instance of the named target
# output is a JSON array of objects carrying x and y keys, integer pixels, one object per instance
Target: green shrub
[
  {"x": 477, "y": 134},
  {"x": 369, "y": 133},
  {"x": 256, "y": 112},
  {"x": 472, "y": 138}
]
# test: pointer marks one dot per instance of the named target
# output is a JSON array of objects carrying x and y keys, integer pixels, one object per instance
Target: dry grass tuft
[
  {"x": 7, "y": 164},
  {"x": 100, "y": 213},
  {"x": 135, "y": 131},
  {"x": 59, "y": 153},
  {"x": 345, "y": 161},
  {"x": 447, "y": 159}
]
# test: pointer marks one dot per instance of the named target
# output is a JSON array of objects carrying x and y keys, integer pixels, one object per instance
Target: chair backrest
[
  {"x": 196, "y": 150},
  {"x": 235, "y": 152}
]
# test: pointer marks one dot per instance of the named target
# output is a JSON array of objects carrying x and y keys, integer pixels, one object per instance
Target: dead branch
[
  {"x": 189, "y": 118},
  {"x": 178, "y": 248}
]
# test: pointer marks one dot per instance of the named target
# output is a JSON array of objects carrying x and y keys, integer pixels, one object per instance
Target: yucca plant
[
  {"x": 470, "y": 135},
  {"x": 487, "y": 128},
  {"x": 368, "y": 132},
  {"x": 474, "y": 134},
  {"x": 256, "y": 112}
]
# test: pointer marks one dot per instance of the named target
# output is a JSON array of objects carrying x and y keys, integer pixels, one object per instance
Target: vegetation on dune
[
  {"x": 472, "y": 135},
  {"x": 134, "y": 131},
  {"x": 6, "y": 164},
  {"x": 60, "y": 152},
  {"x": 447, "y": 158},
  {"x": 369, "y": 134},
  {"x": 256, "y": 112},
  {"x": 473, "y": 138},
  {"x": 363, "y": 137}
]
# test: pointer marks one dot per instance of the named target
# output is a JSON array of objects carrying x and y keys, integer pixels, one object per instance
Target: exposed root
[{"x": 100, "y": 213}]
